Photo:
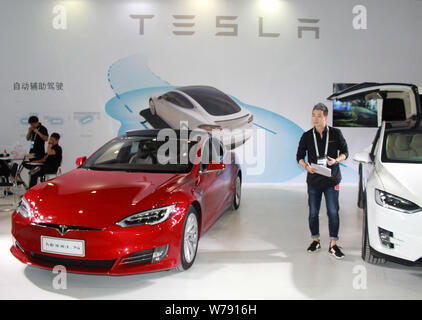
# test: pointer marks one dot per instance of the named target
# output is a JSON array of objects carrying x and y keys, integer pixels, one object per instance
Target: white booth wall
[{"x": 68, "y": 62}]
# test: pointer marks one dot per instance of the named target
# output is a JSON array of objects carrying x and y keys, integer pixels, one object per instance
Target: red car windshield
[{"x": 144, "y": 154}]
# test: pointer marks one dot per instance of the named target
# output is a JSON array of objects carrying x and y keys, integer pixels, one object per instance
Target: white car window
[
  {"x": 212, "y": 100},
  {"x": 178, "y": 99},
  {"x": 403, "y": 146}
]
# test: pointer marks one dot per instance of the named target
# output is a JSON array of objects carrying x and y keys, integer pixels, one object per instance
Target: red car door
[
  {"x": 224, "y": 178},
  {"x": 215, "y": 186},
  {"x": 210, "y": 187}
]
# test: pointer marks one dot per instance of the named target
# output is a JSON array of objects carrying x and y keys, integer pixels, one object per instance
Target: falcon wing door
[{"x": 396, "y": 101}]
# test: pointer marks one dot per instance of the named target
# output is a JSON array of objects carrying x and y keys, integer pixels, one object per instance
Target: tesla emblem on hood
[{"x": 63, "y": 229}]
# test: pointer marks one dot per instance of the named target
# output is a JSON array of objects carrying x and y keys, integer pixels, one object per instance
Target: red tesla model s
[{"x": 138, "y": 204}]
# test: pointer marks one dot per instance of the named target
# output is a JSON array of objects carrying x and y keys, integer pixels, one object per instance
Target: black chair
[
  {"x": 49, "y": 176},
  {"x": 4, "y": 185}
]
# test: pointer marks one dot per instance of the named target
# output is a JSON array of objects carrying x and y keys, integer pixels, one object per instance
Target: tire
[
  {"x": 366, "y": 249},
  {"x": 360, "y": 194},
  {"x": 190, "y": 239},
  {"x": 237, "y": 193},
  {"x": 152, "y": 107}
]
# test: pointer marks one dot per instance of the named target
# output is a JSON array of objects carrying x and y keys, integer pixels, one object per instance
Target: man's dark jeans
[{"x": 331, "y": 199}]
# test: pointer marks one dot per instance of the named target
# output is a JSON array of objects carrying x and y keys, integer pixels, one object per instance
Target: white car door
[
  {"x": 367, "y": 164},
  {"x": 369, "y": 168},
  {"x": 398, "y": 102}
]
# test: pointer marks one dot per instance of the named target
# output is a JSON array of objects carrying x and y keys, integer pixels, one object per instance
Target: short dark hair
[
  {"x": 322, "y": 107},
  {"x": 33, "y": 119},
  {"x": 55, "y": 135}
]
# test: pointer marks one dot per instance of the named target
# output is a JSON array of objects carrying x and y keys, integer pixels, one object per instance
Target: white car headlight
[
  {"x": 23, "y": 208},
  {"x": 153, "y": 216},
  {"x": 391, "y": 201}
]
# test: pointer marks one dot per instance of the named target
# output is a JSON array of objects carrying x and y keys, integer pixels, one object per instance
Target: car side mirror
[
  {"x": 362, "y": 157},
  {"x": 214, "y": 167},
  {"x": 80, "y": 161}
]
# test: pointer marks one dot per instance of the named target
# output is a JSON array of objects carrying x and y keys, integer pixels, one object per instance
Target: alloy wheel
[{"x": 191, "y": 238}]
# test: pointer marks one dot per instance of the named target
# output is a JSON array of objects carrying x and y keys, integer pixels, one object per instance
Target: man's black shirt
[
  {"x": 38, "y": 146},
  {"x": 53, "y": 161},
  {"x": 336, "y": 145}
]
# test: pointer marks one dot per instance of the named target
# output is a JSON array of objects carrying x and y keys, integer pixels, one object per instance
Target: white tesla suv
[
  {"x": 205, "y": 108},
  {"x": 390, "y": 175},
  {"x": 391, "y": 196}
]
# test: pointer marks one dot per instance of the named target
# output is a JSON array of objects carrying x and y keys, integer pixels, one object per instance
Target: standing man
[
  {"x": 327, "y": 147},
  {"x": 51, "y": 161},
  {"x": 38, "y": 135}
]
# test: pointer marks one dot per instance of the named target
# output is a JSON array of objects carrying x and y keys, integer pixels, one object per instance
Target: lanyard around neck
[{"x": 326, "y": 143}]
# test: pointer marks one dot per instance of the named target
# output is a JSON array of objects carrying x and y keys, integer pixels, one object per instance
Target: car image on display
[
  {"x": 129, "y": 208},
  {"x": 206, "y": 108},
  {"x": 390, "y": 174}
]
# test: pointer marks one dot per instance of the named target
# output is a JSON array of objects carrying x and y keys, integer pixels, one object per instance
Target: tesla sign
[{"x": 184, "y": 25}]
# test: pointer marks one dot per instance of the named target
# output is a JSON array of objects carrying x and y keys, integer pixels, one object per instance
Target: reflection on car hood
[
  {"x": 403, "y": 180},
  {"x": 98, "y": 199}
]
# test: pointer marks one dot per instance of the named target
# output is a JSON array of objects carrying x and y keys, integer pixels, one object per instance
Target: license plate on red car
[{"x": 70, "y": 247}]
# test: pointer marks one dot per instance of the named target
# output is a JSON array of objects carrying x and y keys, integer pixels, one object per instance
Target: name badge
[
  {"x": 322, "y": 162},
  {"x": 31, "y": 144}
]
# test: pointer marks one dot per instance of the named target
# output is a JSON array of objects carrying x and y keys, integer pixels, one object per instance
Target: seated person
[
  {"x": 51, "y": 160},
  {"x": 144, "y": 154}
]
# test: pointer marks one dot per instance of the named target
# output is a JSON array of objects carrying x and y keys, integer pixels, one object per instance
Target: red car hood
[{"x": 98, "y": 199}]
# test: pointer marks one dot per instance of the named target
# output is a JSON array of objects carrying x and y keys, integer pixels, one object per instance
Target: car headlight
[
  {"x": 23, "y": 208},
  {"x": 391, "y": 201},
  {"x": 153, "y": 216}
]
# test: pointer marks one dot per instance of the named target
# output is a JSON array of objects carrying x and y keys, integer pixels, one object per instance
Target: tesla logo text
[
  {"x": 187, "y": 24},
  {"x": 184, "y": 24}
]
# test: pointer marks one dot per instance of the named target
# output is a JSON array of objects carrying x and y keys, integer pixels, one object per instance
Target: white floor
[{"x": 257, "y": 252}]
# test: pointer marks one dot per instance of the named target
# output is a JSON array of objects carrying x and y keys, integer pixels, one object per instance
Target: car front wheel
[
  {"x": 237, "y": 193},
  {"x": 366, "y": 250},
  {"x": 190, "y": 238}
]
